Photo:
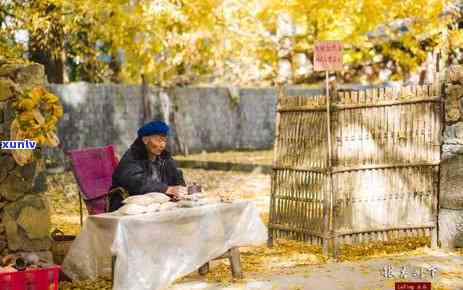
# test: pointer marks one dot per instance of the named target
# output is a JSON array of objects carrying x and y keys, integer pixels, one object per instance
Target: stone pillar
[
  {"x": 24, "y": 210},
  {"x": 451, "y": 179}
]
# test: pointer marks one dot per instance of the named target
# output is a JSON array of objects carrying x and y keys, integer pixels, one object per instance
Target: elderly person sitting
[{"x": 147, "y": 167}]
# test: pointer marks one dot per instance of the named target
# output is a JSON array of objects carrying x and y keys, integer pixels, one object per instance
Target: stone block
[
  {"x": 453, "y": 104},
  {"x": 7, "y": 89},
  {"x": 27, "y": 224},
  {"x": 19, "y": 182},
  {"x": 451, "y": 183},
  {"x": 451, "y": 150},
  {"x": 2, "y": 114},
  {"x": 451, "y": 228},
  {"x": 14, "y": 187},
  {"x": 32, "y": 220},
  {"x": 455, "y": 74},
  {"x": 453, "y": 134},
  {"x": 26, "y": 76}
]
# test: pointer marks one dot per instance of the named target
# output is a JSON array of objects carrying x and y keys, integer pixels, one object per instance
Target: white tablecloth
[{"x": 155, "y": 249}]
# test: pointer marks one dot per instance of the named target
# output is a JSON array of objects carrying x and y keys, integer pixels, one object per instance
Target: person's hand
[{"x": 176, "y": 192}]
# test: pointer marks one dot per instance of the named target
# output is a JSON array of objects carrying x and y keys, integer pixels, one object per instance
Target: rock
[
  {"x": 452, "y": 103},
  {"x": 454, "y": 134},
  {"x": 7, "y": 161},
  {"x": 27, "y": 224},
  {"x": 451, "y": 185},
  {"x": 6, "y": 165},
  {"x": 3, "y": 172},
  {"x": 455, "y": 74},
  {"x": 2, "y": 115},
  {"x": 12, "y": 234},
  {"x": 453, "y": 114},
  {"x": 14, "y": 187},
  {"x": 452, "y": 202},
  {"x": 7, "y": 89},
  {"x": 28, "y": 171},
  {"x": 451, "y": 228},
  {"x": 25, "y": 75},
  {"x": 35, "y": 222},
  {"x": 450, "y": 150}
]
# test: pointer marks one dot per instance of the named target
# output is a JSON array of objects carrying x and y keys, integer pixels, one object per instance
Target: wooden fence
[{"x": 380, "y": 180}]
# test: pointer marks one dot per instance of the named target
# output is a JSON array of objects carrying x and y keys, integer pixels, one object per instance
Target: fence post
[
  {"x": 328, "y": 214},
  {"x": 285, "y": 33}
]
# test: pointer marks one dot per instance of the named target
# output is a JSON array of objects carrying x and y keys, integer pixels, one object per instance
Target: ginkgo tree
[
  {"x": 403, "y": 31},
  {"x": 173, "y": 42}
]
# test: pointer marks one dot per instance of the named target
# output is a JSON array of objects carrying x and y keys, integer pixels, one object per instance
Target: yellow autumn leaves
[{"x": 37, "y": 114}]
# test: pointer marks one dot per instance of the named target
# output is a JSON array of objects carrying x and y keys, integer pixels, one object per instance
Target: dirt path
[{"x": 358, "y": 275}]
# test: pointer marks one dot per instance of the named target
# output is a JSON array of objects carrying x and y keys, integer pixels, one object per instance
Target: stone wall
[
  {"x": 202, "y": 118},
  {"x": 24, "y": 210},
  {"x": 451, "y": 180}
]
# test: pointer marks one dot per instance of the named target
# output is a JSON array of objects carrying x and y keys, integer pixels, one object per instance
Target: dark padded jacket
[{"x": 139, "y": 175}]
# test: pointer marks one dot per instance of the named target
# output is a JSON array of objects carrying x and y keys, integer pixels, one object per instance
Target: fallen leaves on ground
[
  {"x": 240, "y": 185},
  {"x": 99, "y": 284},
  {"x": 284, "y": 255},
  {"x": 440, "y": 287},
  {"x": 382, "y": 248},
  {"x": 63, "y": 195},
  {"x": 451, "y": 274}
]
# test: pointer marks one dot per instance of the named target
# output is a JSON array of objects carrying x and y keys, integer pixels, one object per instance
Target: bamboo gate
[{"x": 380, "y": 180}]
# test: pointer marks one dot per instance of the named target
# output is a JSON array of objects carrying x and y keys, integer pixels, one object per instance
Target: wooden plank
[
  {"x": 369, "y": 127},
  {"x": 307, "y": 204},
  {"x": 357, "y": 104},
  {"x": 298, "y": 204},
  {"x": 289, "y": 229},
  {"x": 308, "y": 108},
  {"x": 282, "y": 190},
  {"x": 315, "y": 169},
  {"x": 307, "y": 119},
  {"x": 383, "y": 166},
  {"x": 387, "y": 229}
]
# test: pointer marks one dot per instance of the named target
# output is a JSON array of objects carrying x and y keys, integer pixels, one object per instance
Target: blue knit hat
[{"x": 154, "y": 128}]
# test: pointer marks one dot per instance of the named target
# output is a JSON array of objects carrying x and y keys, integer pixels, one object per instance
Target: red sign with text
[
  {"x": 412, "y": 285},
  {"x": 328, "y": 56}
]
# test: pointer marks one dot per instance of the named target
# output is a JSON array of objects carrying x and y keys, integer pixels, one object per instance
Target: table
[{"x": 155, "y": 249}]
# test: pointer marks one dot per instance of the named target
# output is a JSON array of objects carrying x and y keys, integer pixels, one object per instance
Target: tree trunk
[{"x": 54, "y": 66}]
